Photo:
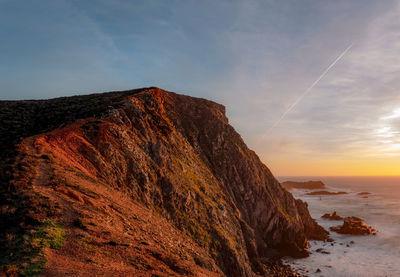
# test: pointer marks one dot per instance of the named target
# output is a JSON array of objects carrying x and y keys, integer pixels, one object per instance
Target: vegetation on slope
[{"x": 23, "y": 212}]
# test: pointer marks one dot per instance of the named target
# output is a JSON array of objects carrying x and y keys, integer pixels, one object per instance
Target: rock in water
[
  {"x": 333, "y": 216},
  {"x": 325, "y": 192},
  {"x": 354, "y": 226},
  {"x": 142, "y": 166},
  {"x": 303, "y": 185}
]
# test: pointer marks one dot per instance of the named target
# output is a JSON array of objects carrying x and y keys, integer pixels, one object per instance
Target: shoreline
[{"x": 356, "y": 256}]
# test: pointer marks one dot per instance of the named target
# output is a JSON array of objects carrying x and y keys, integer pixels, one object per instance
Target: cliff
[{"x": 138, "y": 183}]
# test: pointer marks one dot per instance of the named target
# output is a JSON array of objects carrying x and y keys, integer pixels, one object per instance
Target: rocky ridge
[{"x": 147, "y": 181}]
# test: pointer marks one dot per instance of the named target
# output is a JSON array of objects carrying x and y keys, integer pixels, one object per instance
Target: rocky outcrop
[
  {"x": 325, "y": 192},
  {"x": 333, "y": 216},
  {"x": 289, "y": 185},
  {"x": 156, "y": 156},
  {"x": 354, "y": 226},
  {"x": 313, "y": 231}
]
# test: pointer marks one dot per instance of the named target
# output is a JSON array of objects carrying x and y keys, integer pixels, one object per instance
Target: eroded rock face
[
  {"x": 354, "y": 226},
  {"x": 178, "y": 157},
  {"x": 313, "y": 231}
]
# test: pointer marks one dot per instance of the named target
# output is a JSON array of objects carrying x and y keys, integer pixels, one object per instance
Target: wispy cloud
[{"x": 395, "y": 114}]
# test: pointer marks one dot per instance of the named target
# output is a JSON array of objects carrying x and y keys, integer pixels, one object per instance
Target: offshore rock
[
  {"x": 333, "y": 216},
  {"x": 303, "y": 185},
  {"x": 354, "y": 226},
  {"x": 325, "y": 192}
]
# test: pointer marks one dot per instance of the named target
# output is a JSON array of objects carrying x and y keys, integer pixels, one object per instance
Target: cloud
[
  {"x": 395, "y": 114},
  {"x": 345, "y": 110},
  {"x": 256, "y": 57}
]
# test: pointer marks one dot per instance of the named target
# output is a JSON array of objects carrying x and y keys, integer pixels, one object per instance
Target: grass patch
[
  {"x": 51, "y": 234},
  {"x": 27, "y": 256}
]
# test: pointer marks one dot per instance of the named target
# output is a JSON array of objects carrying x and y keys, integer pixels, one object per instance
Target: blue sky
[{"x": 255, "y": 57}]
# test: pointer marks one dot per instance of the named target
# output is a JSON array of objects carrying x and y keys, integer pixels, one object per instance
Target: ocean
[{"x": 369, "y": 255}]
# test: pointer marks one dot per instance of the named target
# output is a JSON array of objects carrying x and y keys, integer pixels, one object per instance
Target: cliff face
[{"x": 153, "y": 183}]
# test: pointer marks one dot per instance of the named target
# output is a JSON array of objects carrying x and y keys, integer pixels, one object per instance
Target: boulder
[
  {"x": 354, "y": 226},
  {"x": 333, "y": 216}
]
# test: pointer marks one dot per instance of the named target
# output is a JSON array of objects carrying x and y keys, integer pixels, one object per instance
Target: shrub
[{"x": 51, "y": 234}]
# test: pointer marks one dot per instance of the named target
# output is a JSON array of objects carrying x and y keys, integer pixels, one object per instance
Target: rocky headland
[{"x": 140, "y": 183}]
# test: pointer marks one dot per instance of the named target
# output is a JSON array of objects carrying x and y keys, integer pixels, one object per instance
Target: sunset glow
[{"x": 228, "y": 138}]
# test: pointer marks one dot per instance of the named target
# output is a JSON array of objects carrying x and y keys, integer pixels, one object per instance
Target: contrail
[{"x": 310, "y": 88}]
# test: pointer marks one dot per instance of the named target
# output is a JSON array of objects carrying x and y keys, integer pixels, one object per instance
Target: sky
[{"x": 256, "y": 57}]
